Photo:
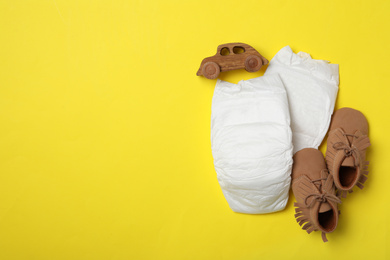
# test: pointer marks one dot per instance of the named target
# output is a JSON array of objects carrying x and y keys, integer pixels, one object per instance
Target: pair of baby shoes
[{"x": 318, "y": 184}]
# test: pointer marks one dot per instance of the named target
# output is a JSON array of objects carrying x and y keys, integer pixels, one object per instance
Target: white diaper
[
  {"x": 311, "y": 87},
  {"x": 251, "y": 143}
]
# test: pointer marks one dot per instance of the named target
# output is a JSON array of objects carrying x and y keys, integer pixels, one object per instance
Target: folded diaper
[
  {"x": 312, "y": 87},
  {"x": 251, "y": 143}
]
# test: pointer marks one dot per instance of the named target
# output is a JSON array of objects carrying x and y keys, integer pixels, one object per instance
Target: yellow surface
[{"x": 105, "y": 129}]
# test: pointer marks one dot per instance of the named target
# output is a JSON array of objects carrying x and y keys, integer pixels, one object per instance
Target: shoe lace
[
  {"x": 348, "y": 150},
  {"x": 321, "y": 197}
]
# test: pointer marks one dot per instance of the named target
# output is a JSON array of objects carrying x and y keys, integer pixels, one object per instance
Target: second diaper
[
  {"x": 312, "y": 87},
  {"x": 252, "y": 143}
]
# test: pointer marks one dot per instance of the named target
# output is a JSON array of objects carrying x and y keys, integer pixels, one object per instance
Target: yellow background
[{"x": 105, "y": 128}]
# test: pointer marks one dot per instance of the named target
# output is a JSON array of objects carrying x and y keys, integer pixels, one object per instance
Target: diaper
[
  {"x": 251, "y": 143},
  {"x": 312, "y": 87}
]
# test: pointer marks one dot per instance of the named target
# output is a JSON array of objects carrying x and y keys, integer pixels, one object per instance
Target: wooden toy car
[{"x": 231, "y": 56}]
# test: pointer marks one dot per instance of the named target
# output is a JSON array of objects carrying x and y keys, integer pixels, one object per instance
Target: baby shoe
[
  {"x": 346, "y": 150},
  {"x": 313, "y": 188}
]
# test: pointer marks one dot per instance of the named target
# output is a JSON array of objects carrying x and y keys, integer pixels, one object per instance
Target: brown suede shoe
[
  {"x": 346, "y": 150},
  {"x": 314, "y": 191}
]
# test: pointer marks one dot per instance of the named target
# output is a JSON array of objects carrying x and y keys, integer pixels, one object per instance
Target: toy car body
[{"x": 231, "y": 56}]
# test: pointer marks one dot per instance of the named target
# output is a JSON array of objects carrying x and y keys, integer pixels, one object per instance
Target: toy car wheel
[
  {"x": 253, "y": 63},
  {"x": 211, "y": 70}
]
